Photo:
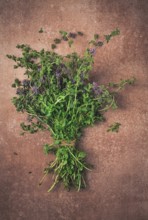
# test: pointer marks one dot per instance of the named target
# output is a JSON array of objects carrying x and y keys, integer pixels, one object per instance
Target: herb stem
[
  {"x": 79, "y": 161},
  {"x": 42, "y": 179},
  {"x": 53, "y": 185},
  {"x": 108, "y": 107}
]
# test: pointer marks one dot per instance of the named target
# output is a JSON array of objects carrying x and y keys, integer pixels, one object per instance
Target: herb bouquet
[{"x": 57, "y": 96}]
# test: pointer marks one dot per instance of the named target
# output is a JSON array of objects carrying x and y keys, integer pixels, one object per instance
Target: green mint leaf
[{"x": 41, "y": 30}]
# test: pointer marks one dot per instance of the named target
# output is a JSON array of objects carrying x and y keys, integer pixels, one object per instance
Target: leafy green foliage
[
  {"x": 112, "y": 34},
  {"x": 58, "y": 96}
]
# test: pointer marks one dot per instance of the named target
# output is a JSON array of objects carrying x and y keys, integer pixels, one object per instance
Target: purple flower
[
  {"x": 43, "y": 79},
  {"x": 58, "y": 73},
  {"x": 95, "y": 85},
  {"x": 26, "y": 82},
  {"x": 96, "y": 89},
  {"x": 62, "y": 65},
  {"x": 92, "y": 51},
  {"x": 20, "y": 91},
  {"x": 35, "y": 90},
  {"x": 72, "y": 35},
  {"x": 73, "y": 81}
]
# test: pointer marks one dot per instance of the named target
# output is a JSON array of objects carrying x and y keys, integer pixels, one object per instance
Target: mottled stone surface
[{"x": 118, "y": 185}]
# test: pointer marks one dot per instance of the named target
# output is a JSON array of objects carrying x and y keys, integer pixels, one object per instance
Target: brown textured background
[{"x": 118, "y": 186}]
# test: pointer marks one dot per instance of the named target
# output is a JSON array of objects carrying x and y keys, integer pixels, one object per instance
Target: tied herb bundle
[{"x": 58, "y": 96}]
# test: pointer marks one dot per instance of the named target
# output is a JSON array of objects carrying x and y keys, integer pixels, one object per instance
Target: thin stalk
[
  {"x": 119, "y": 88},
  {"x": 42, "y": 179},
  {"x": 106, "y": 108},
  {"x": 84, "y": 181},
  {"x": 79, "y": 161},
  {"x": 53, "y": 164},
  {"x": 79, "y": 185},
  {"x": 53, "y": 185}
]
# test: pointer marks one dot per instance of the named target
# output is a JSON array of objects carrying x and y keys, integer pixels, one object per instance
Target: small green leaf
[
  {"x": 13, "y": 85},
  {"x": 53, "y": 46},
  {"x": 112, "y": 34},
  {"x": 57, "y": 142},
  {"x": 41, "y": 30},
  {"x": 63, "y": 33},
  {"x": 81, "y": 155},
  {"x": 70, "y": 42},
  {"x": 17, "y": 82},
  {"x": 115, "y": 32},
  {"x": 114, "y": 127},
  {"x": 80, "y": 33},
  {"x": 57, "y": 41},
  {"x": 107, "y": 37},
  {"x": 96, "y": 36}
]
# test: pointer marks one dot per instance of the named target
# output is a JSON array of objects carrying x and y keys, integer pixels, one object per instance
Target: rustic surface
[{"x": 118, "y": 186}]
